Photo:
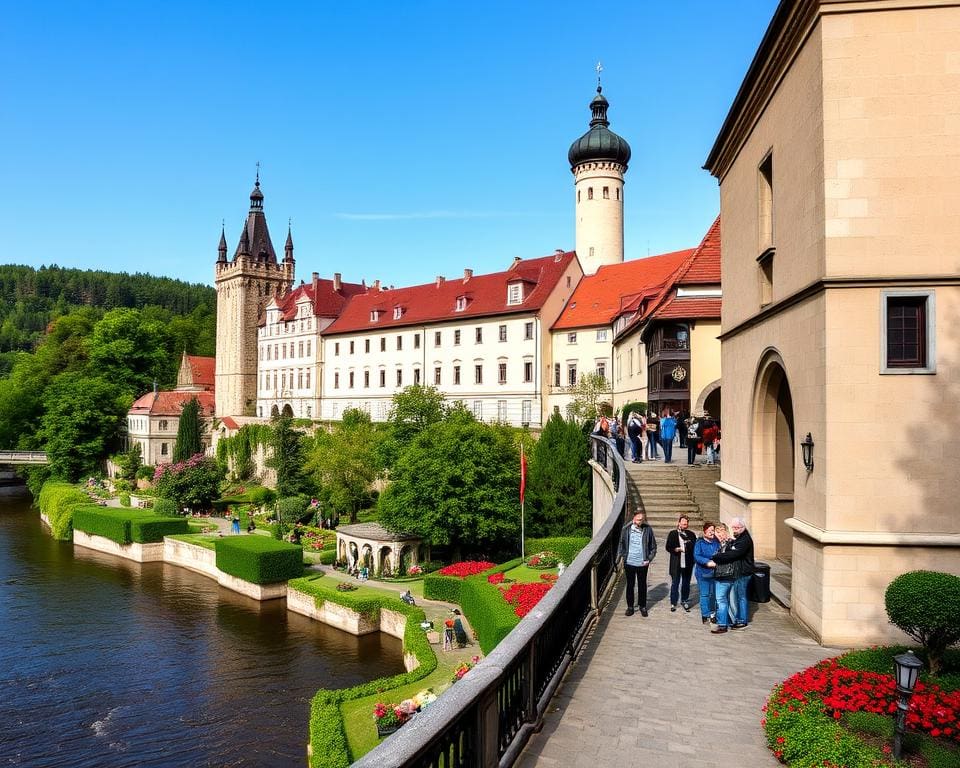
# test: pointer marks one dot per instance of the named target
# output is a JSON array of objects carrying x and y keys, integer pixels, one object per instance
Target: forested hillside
[
  {"x": 30, "y": 298},
  {"x": 80, "y": 346}
]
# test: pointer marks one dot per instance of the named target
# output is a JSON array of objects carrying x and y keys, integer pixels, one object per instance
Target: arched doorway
[
  {"x": 709, "y": 400},
  {"x": 773, "y": 451},
  {"x": 384, "y": 561},
  {"x": 287, "y": 410},
  {"x": 274, "y": 412}
]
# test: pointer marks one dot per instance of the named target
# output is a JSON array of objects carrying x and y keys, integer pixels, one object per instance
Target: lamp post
[
  {"x": 806, "y": 447},
  {"x": 906, "y": 668}
]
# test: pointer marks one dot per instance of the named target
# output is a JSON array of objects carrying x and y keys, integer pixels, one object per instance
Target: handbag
[{"x": 728, "y": 571}]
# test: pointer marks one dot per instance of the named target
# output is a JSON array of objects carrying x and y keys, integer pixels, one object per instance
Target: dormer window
[
  {"x": 397, "y": 312},
  {"x": 461, "y": 303},
  {"x": 515, "y": 293},
  {"x": 375, "y": 315}
]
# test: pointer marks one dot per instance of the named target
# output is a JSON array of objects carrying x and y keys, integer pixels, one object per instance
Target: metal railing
[
  {"x": 23, "y": 457},
  {"x": 486, "y": 719}
]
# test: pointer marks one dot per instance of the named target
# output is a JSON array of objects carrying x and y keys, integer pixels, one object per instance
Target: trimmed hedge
[
  {"x": 490, "y": 616},
  {"x": 328, "y": 556},
  {"x": 57, "y": 501},
  {"x": 566, "y": 547},
  {"x": 124, "y": 499},
  {"x": 259, "y": 559},
  {"x": 445, "y": 588},
  {"x": 164, "y": 507},
  {"x": 127, "y": 525},
  {"x": 328, "y": 738}
]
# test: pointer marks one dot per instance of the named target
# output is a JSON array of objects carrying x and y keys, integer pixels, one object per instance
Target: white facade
[
  {"x": 599, "y": 214},
  {"x": 491, "y": 364},
  {"x": 288, "y": 362},
  {"x": 575, "y": 352},
  {"x": 155, "y": 435}
]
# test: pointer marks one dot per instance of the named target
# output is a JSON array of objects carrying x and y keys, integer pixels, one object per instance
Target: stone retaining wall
[
  {"x": 191, "y": 556},
  {"x": 140, "y": 553}
]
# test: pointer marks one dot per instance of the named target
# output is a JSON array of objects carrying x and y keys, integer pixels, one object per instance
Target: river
[{"x": 110, "y": 663}]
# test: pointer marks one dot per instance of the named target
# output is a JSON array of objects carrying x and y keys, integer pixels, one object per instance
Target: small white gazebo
[{"x": 374, "y": 545}]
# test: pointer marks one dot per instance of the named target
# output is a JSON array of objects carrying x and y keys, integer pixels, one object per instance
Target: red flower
[
  {"x": 523, "y": 597},
  {"x": 466, "y": 568}
]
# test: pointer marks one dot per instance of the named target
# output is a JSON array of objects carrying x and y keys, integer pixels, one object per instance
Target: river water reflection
[{"x": 105, "y": 662}]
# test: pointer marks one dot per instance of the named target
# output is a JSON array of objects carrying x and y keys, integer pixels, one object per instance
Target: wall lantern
[
  {"x": 906, "y": 668},
  {"x": 806, "y": 446}
]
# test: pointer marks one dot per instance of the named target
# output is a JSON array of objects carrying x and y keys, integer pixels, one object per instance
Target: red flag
[{"x": 523, "y": 473}]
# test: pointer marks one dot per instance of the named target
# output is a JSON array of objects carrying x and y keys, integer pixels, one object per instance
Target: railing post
[
  {"x": 488, "y": 731},
  {"x": 594, "y": 586},
  {"x": 530, "y": 694}
]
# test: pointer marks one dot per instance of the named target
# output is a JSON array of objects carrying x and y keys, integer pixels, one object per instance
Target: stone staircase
[{"x": 665, "y": 491}]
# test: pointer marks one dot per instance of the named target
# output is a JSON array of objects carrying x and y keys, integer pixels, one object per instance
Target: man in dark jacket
[
  {"x": 680, "y": 542},
  {"x": 638, "y": 547},
  {"x": 739, "y": 550}
]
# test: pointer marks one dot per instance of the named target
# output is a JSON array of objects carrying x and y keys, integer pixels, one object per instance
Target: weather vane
[
  {"x": 599, "y": 69},
  {"x": 258, "y": 171}
]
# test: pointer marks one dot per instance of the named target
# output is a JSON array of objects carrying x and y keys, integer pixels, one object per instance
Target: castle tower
[
  {"x": 598, "y": 160},
  {"x": 244, "y": 286}
]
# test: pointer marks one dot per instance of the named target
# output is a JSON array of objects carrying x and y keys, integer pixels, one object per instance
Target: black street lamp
[
  {"x": 906, "y": 668},
  {"x": 806, "y": 447}
]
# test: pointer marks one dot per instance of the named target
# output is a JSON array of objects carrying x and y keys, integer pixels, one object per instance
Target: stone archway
[
  {"x": 385, "y": 561},
  {"x": 354, "y": 559},
  {"x": 366, "y": 556},
  {"x": 709, "y": 400},
  {"x": 287, "y": 410},
  {"x": 773, "y": 453},
  {"x": 341, "y": 551},
  {"x": 274, "y": 412}
]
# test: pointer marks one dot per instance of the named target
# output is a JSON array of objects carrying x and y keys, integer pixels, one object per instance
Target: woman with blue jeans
[
  {"x": 703, "y": 551},
  {"x": 738, "y": 550}
]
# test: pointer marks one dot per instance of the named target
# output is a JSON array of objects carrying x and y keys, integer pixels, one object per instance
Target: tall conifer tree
[{"x": 188, "y": 432}]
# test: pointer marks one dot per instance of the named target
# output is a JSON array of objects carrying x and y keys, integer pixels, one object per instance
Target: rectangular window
[
  {"x": 436, "y": 376},
  {"x": 399, "y": 342},
  {"x": 525, "y": 410},
  {"x": 351, "y": 380},
  {"x": 163, "y": 449},
  {"x": 383, "y": 378},
  {"x": 571, "y": 338},
  {"x": 416, "y": 341},
  {"x": 571, "y": 374},
  {"x": 351, "y": 347},
  {"x": 456, "y": 374},
  {"x": 308, "y": 348},
  {"x": 307, "y": 379},
  {"x": 478, "y": 333},
  {"x": 556, "y": 374},
  {"x": 299, "y": 379},
  {"x": 456, "y": 337},
  {"x": 502, "y": 333},
  {"x": 366, "y": 345},
  {"x": 436, "y": 338},
  {"x": 300, "y": 349},
  {"x": 502, "y": 411},
  {"x": 602, "y": 370},
  {"x": 478, "y": 374},
  {"x": 399, "y": 377},
  {"x": 765, "y": 202},
  {"x": 366, "y": 379},
  {"x": 416, "y": 376},
  {"x": 528, "y": 331},
  {"x": 283, "y": 350},
  {"x": 601, "y": 334},
  {"x": 606, "y": 193},
  {"x": 502, "y": 373},
  {"x": 527, "y": 372},
  {"x": 276, "y": 351},
  {"x": 383, "y": 343},
  {"x": 908, "y": 328},
  {"x": 336, "y": 348},
  {"x": 268, "y": 351},
  {"x": 283, "y": 381},
  {"x": 309, "y": 411},
  {"x": 478, "y": 409},
  {"x": 515, "y": 293}
]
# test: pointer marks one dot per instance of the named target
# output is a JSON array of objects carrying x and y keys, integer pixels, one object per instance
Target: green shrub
[
  {"x": 164, "y": 507},
  {"x": 259, "y": 559},
  {"x": 328, "y": 556},
  {"x": 260, "y": 496},
  {"x": 145, "y": 472},
  {"x": 638, "y": 406},
  {"x": 292, "y": 508},
  {"x": 565, "y": 547},
  {"x": 113, "y": 524},
  {"x": 490, "y": 616},
  {"x": 145, "y": 529},
  {"x": 445, "y": 588},
  {"x": 124, "y": 499},
  {"x": 57, "y": 501},
  {"x": 926, "y": 606},
  {"x": 328, "y": 739}
]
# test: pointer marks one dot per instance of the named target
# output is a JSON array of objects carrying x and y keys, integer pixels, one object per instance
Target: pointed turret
[
  {"x": 255, "y": 239},
  {"x": 243, "y": 247},
  {"x": 288, "y": 246},
  {"x": 222, "y": 248}
]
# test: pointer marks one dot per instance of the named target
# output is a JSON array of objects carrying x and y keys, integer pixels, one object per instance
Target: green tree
[
  {"x": 558, "y": 481},
  {"x": 345, "y": 462},
  {"x": 131, "y": 351},
  {"x": 591, "y": 393},
  {"x": 457, "y": 484},
  {"x": 287, "y": 457},
  {"x": 129, "y": 462},
  {"x": 81, "y": 423},
  {"x": 193, "y": 483},
  {"x": 414, "y": 409},
  {"x": 189, "y": 431}
]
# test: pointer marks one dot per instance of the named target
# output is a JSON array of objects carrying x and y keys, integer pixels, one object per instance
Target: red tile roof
[
  {"x": 203, "y": 370},
  {"x": 326, "y": 301},
  {"x": 171, "y": 403},
  {"x": 485, "y": 294},
  {"x": 602, "y": 296},
  {"x": 704, "y": 263},
  {"x": 229, "y": 423},
  {"x": 692, "y": 307}
]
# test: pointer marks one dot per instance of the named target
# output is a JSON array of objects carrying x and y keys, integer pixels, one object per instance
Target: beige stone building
[{"x": 839, "y": 171}]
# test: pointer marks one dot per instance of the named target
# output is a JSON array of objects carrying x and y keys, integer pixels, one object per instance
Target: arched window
[
  {"x": 606, "y": 193},
  {"x": 618, "y": 193},
  {"x": 578, "y": 195},
  {"x": 589, "y": 193}
]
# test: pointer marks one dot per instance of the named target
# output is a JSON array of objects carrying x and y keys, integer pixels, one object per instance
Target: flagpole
[{"x": 523, "y": 478}]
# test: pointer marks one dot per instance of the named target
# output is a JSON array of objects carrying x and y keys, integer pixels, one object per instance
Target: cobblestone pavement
[{"x": 662, "y": 692}]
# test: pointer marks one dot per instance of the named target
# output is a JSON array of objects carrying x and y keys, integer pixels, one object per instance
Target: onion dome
[{"x": 599, "y": 143}]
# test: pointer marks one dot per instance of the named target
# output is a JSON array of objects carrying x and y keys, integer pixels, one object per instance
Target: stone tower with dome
[
  {"x": 244, "y": 286},
  {"x": 598, "y": 160}
]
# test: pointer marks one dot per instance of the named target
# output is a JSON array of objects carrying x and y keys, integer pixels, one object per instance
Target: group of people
[
  {"x": 723, "y": 565},
  {"x": 648, "y": 433}
]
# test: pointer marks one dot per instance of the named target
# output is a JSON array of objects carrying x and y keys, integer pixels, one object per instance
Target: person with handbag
[
  {"x": 638, "y": 547},
  {"x": 733, "y": 568},
  {"x": 680, "y": 542},
  {"x": 703, "y": 552}
]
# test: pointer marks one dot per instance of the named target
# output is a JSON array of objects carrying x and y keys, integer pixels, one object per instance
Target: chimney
[
  {"x": 440, "y": 280},
  {"x": 337, "y": 282},
  {"x": 516, "y": 260},
  {"x": 558, "y": 254},
  {"x": 314, "y": 280},
  {"x": 467, "y": 274},
  {"x": 376, "y": 285}
]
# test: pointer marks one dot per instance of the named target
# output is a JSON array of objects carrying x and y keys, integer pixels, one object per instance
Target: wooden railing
[
  {"x": 486, "y": 719},
  {"x": 23, "y": 457}
]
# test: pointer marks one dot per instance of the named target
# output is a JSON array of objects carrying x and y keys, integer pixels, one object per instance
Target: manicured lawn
[
  {"x": 526, "y": 575},
  {"x": 196, "y": 527},
  {"x": 200, "y": 539}
]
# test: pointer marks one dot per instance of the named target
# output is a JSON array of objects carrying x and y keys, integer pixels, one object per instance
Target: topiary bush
[
  {"x": 328, "y": 556},
  {"x": 146, "y": 529},
  {"x": 164, "y": 507},
  {"x": 124, "y": 499},
  {"x": 57, "y": 501},
  {"x": 97, "y": 521},
  {"x": 926, "y": 606},
  {"x": 565, "y": 547},
  {"x": 445, "y": 588},
  {"x": 259, "y": 559}
]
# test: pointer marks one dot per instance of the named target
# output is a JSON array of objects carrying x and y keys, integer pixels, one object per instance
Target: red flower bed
[
  {"x": 466, "y": 568},
  {"x": 932, "y": 710},
  {"x": 550, "y": 578},
  {"x": 495, "y": 578},
  {"x": 523, "y": 597}
]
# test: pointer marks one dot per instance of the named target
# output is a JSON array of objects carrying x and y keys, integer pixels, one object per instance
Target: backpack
[{"x": 692, "y": 431}]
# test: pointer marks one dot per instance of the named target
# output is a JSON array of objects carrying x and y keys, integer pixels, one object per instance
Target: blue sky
[{"x": 404, "y": 140}]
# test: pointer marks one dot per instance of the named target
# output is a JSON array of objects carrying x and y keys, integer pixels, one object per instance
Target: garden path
[{"x": 662, "y": 691}]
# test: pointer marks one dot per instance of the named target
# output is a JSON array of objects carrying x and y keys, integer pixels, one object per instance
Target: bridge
[{"x": 23, "y": 457}]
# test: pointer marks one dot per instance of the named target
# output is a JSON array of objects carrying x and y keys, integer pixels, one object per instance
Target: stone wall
[{"x": 140, "y": 553}]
